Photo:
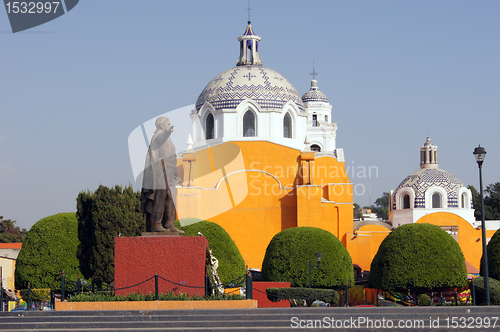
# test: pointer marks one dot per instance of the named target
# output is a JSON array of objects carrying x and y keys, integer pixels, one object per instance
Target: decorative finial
[
  {"x": 314, "y": 73},
  {"x": 307, "y": 144},
  {"x": 249, "y": 9},
  {"x": 189, "y": 143}
]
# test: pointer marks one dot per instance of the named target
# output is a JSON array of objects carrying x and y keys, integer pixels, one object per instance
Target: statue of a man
[{"x": 160, "y": 178}]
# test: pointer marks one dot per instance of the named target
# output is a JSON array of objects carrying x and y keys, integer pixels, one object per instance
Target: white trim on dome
[
  {"x": 468, "y": 195},
  {"x": 442, "y": 193},
  {"x": 400, "y": 196},
  {"x": 207, "y": 109},
  {"x": 243, "y": 107}
]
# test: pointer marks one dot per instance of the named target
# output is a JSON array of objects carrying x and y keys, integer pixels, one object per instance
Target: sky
[{"x": 72, "y": 90}]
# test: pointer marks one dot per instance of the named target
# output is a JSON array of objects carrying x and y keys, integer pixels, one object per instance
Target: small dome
[
  {"x": 267, "y": 87},
  {"x": 424, "y": 178},
  {"x": 314, "y": 95}
]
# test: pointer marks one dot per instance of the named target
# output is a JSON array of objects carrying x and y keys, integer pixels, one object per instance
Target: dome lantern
[
  {"x": 428, "y": 155},
  {"x": 249, "y": 48}
]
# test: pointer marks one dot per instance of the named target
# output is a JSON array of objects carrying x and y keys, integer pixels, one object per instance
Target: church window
[
  {"x": 406, "y": 201},
  {"x": 287, "y": 126},
  {"x": 464, "y": 199},
  {"x": 209, "y": 127},
  {"x": 315, "y": 120},
  {"x": 326, "y": 118},
  {"x": 249, "y": 124},
  {"x": 436, "y": 200},
  {"x": 315, "y": 148}
]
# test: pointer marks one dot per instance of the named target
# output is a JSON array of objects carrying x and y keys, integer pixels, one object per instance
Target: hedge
[
  {"x": 231, "y": 263},
  {"x": 480, "y": 293},
  {"x": 418, "y": 257},
  {"x": 48, "y": 249},
  {"x": 290, "y": 251},
  {"x": 301, "y": 293},
  {"x": 493, "y": 249}
]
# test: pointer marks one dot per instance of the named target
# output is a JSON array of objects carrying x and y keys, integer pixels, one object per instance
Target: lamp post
[
  {"x": 318, "y": 259},
  {"x": 480, "y": 153}
]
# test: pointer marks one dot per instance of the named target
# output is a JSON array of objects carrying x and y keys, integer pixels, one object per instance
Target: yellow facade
[
  {"x": 255, "y": 189},
  {"x": 364, "y": 246}
]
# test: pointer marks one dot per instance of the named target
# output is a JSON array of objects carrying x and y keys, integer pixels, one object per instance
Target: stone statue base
[{"x": 167, "y": 232}]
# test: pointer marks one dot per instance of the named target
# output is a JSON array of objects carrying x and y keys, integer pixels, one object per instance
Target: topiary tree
[
  {"x": 418, "y": 257},
  {"x": 231, "y": 263},
  {"x": 481, "y": 294},
  {"x": 103, "y": 215},
  {"x": 493, "y": 250},
  {"x": 48, "y": 249},
  {"x": 290, "y": 251}
]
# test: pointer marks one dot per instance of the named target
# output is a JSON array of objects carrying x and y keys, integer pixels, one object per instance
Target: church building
[
  {"x": 429, "y": 195},
  {"x": 262, "y": 158}
]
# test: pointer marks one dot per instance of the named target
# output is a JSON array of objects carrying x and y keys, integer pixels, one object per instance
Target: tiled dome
[
  {"x": 314, "y": 95},
  {"x": 425, "y": 178},
  {"x": 249, "y": 80},
  {"x": 267, "y": 87}
]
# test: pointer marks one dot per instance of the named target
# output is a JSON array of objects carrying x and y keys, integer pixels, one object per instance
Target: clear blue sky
[{"x": 73, "y": 89}]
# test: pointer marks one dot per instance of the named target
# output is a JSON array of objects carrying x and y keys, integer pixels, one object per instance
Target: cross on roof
[
  {"x": 314, "y": 73},
  {"x": 249, "y": 9}
]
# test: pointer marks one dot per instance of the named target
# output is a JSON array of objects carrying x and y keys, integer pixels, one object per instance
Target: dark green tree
[
  {"x": 357, "y": 213},
  {"x": 231, "y": 263},
  {"x": 381, "y": 206},
  {"x": 48, "y": 249},
  {"x": 491, "y": 202},
  {"x": 10, "y": 233},
  {"x": 289, "y": 252},
  {"x": 418, "y": 257},
  {"x": 103, "y": 215},
  {"x": 493, "y": 250},
  {"x": 481, "y": 294}
]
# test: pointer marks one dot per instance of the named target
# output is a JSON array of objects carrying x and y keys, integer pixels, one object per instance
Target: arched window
[
  {"x": 209, "y": 127},
  {"x": 406, "y": 201},
  {"x": 315, "y": 120},
  {"x": 464, "y": 200},
  {"x": 287, "y": 126},
  {"x": 436, "y": 201},
  {"x": 249, "y": 124},
  {"x": 315, "y": 148}
]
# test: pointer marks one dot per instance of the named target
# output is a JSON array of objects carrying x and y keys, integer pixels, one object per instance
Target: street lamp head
[
  {"x": 479, "y": 153},
  {"x": 318, "y": 256}
]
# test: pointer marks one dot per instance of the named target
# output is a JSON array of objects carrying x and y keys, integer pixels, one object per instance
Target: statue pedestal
[{"x": 179, "y": 261}]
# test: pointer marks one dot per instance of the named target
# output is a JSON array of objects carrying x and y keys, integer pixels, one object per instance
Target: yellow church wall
[
  {"x": 364, "y": 246},
  {"x": 469, "y": 238},
  {"x": 255, "y": 189}
]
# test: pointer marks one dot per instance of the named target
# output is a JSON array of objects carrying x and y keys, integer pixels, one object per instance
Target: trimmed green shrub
[
  {"x": 301, "y": 293},
  {"x": 49, "y": 248},
  {"x": 290, "y": 251},
  {"x": 418, "y": 257},
  {"x": 110, "y": 297},
  {"x": 494, "y": 291},
  {"x": 231, "y": 263},
  {"x": 493, "y": 249},
  {"x": 423, "y": 300},
  {"x": 103, "y": 215}
]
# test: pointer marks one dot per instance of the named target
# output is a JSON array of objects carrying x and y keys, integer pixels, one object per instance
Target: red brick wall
[{"x": 180, "y": 259}]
